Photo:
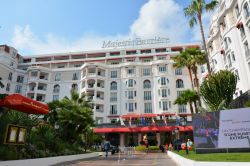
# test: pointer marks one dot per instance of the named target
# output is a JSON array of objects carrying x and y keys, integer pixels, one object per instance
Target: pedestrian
[
  {"x": 170, "y": 146},
  {"x": 166, "y": 148},
  {"x": 106, "y": 147}
]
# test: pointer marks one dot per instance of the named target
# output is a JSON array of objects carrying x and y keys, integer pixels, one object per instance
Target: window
[
  {"x": 20, "y": 79},
  {"x": 179, "y": 83},
  {"x": 55, "y": 97},
  {"x": 130, "y": 71},
  {"x": 161, "y": 58},
  {"x": 178, "y": 71},
  {"x": 233, "y": 56},
  {"x": 113, "y": 74},
  {"x": 113, "y": 86},
  {"x": 130, "y": 107},
  {"x": 147, "y": 107},
  {"x": 18, "y": 89},
  {"x": 182, "y": 108},
  {"x": 147, "y": 72},
  {"x": 242, "y": 31},
  {"x": 203, "y": 69},
  {"x": 237, "y": 74},
  {"x": 131, "y": 83},
  {"x": 113, "y": 96},
  {"x": 10, "y": 76},
  {"x": 56, "y": 88},
  {"x": 249, "y": 65},
  {"x": 130, "y": 94},
  {"x": 246, "y": 10},
  {"x": 113, "y": 109},
  {"x": 229, "y": 60},
  {"x": 147, "y": 95},
  {"x": 237, "y": 12},
  {"x": 179, "y": 93},
  {"x": 8, "y": 87},
  {"x": 146, "y": 84},
  {"x": 58, "y": 77},
  {"x": 246, "y": 48},
  {"x": 75, "y": 76},
  {"x": 164, "y": 93},
  {"x": 74, "y": 87},
  {"x": 164, "y": 105},
  {"x": 162, "y": 69},
  {"x": 163, "y": 80}
]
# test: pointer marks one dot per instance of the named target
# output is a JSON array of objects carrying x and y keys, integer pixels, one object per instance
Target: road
[{"x": 151, "y": 159}]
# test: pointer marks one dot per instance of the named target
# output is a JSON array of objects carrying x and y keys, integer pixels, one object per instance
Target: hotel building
[
  {"x": 229, "y": 40},
  {"x": 128, "y": 82}
]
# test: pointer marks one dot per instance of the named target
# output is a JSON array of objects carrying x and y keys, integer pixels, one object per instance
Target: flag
[
  {"x": 153, "y": 121},
  {"x": 121, "y": 121},
  {"x": 177, "y": 120},
  {"x": 143, "y": 121},
  {"x": 130, "y": 121}
]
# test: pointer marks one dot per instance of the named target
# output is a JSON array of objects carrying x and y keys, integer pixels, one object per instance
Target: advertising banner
[{"x": 222, "y": 129}]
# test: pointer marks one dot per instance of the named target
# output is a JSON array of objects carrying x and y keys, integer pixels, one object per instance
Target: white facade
[
  {"x": 119, "y": 81},
  {"x": 229, "y": 40}
]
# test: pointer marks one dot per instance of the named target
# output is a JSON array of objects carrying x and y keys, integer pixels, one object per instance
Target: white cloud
[
  {"x": 156, "y": 18},
  {"x": 161, "y": 18}
]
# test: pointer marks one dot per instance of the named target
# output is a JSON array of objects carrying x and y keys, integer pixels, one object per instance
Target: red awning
[
  {"x": 142, "y": 129},
  {"x": 148, "y": 115},
  {"x": 128, "y": 116},
  {"x": 24, "y": 104},
  {"x": 166, "y": 114}
]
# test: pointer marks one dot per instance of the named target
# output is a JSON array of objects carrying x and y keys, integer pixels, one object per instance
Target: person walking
[
  {"x": 166, "y": 148},
  {"x": 106, "y": 148}
]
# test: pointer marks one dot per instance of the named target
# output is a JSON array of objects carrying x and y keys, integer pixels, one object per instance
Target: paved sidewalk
[
  {"x": 48, "y": 161},
  {"x": 150, "y": 159}
]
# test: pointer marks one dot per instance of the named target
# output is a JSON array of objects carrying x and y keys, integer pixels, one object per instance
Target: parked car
[{"x": 113, "y": 149}]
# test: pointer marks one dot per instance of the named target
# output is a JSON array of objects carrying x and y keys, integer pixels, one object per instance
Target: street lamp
[{"x": 184, "y": 124}]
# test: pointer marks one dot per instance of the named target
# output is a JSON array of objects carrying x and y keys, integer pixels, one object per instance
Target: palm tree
[
  {"x": 187, "y": 96},
  {"x": 73, "y": 115},
  {"x": 184, "y": 60},
  {"x": 194, "y": 12}
]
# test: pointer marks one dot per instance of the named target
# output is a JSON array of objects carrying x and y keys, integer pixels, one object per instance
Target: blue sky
[{"x": 48, "y": 26}]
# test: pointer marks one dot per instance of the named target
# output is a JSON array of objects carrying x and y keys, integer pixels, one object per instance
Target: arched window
[
  {"x": 74, "y": 87},
  {"x": 179, "y": 83},
  {"x": 113, "y": 85},
  {"x": 56, "y": 88},
  {"x": 130, "y": 83},
  {"x": 246, "y": 10},
  {"x": 146, "y": 84}
]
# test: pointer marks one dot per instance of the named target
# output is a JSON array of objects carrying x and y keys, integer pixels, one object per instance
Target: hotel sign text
[{"x": 134, "y": 42}]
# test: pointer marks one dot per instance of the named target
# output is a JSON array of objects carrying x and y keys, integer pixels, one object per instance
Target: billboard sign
[{"x": 222, "y": 129}]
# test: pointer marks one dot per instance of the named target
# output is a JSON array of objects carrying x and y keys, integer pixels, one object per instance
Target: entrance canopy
[
  {"x": 143, "y": 129},
  {"x": 24, "y": 104}
]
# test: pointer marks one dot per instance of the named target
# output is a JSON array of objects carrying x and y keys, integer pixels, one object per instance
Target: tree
[
  {"x": 72, "y": 115},
  {"x": 184, "y": 60},
  {"x": 219, "y": 88},
  {"x": 194, "y": 12},
  {"x": 187, "y": 96}
]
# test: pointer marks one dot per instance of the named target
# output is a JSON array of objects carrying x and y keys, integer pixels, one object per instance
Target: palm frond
[{"x": 211, "y": 6}]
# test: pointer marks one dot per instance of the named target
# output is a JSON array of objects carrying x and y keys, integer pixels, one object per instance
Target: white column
[
  {"x": 158, "y": 138},
  {"x": 122, "y": 139},
  {"x": 139, "y": 138}
]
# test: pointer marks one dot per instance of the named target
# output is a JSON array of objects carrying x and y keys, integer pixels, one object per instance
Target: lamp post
[{"x": 184, "y": 124}]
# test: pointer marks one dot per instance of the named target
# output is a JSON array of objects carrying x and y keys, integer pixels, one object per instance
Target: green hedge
[{"x": 143, "y": 148}]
